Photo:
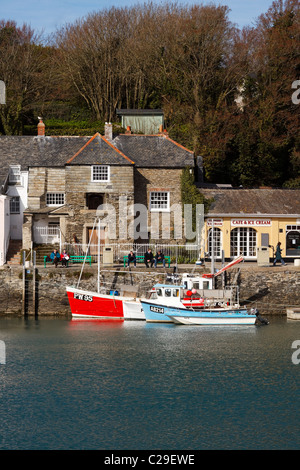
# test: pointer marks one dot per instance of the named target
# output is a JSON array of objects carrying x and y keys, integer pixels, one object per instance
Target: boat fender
[
  {"x": 114, "y": 292},
  {"x": 263, "y": 321}
]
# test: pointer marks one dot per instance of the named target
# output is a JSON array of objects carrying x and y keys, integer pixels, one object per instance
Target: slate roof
[
  {"x": 98, "y": 150},
  {"x": 36, "y": 151},
  {"x": 61, "y": 210},
  {"x": 154, "y": 151},
  {"x": 147, "y": 151},
  {"x": 253, "y": 202}
]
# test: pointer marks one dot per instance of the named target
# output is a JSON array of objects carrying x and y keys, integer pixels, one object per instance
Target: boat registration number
[
  {"x": 88, "y": 298},
  {"x": 156, "y": 309}
]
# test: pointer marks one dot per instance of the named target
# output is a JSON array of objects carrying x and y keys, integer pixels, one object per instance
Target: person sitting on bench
[
  {"x": 159, "y": 258},
  {"x": 148, "y": 258},
  {"x": 55, "y": 257},
  {"x": 64, "y": 258},
  {"x": 131, "y": 259}
]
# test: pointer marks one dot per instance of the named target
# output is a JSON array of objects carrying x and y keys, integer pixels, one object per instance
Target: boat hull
[
  {"x": 133, "y": 310},
  {"x": 156, "y": 312},
  {"x": 221, "y": 319},
  {"x": 89, "y": 305}
]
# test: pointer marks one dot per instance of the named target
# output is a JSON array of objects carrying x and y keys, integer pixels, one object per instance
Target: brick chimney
[
  {"x": 41, "y": 128},
  {"x": 108, "y": 133}
]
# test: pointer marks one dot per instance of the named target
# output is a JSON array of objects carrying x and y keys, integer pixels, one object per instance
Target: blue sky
[{"x": 47, "y": 15}]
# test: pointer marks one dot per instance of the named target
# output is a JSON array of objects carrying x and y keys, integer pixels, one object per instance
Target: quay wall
[{"x": 272, "y": 289}]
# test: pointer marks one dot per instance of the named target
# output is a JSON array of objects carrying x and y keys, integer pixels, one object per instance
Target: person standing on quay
[{"x": 278, "y": 256}]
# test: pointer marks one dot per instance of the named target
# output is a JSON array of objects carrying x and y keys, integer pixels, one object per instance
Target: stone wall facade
[
  {"x": 79, "y": 184},
  {"x": 160, "y": 224},
  {"x": 76, "y": 219}
]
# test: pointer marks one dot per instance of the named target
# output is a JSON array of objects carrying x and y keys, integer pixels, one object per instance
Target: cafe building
[{"x": 247, "y": 221}]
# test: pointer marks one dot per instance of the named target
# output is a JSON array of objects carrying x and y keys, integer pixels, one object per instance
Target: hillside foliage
[{"x": 226, "y": 93}]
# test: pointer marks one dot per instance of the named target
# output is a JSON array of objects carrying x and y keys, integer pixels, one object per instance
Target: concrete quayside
[{"x": 272, "y": 290}]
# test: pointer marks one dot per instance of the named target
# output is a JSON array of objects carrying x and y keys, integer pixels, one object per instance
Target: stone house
[{"x": 64, "y": 182}]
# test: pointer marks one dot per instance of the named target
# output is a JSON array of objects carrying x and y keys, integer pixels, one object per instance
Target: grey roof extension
[{"x": 253, "y": 202}]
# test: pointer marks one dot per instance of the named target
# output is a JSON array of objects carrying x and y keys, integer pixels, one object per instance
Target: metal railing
[{"x": 183, "y": 253}]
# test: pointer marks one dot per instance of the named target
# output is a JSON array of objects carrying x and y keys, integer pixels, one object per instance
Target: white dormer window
[
  {"x": 15, "y": 174},
  {"x": 100, "y": 173}
]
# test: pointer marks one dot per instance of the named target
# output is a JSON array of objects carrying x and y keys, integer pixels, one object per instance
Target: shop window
[
  {"x": 217, "y": 242},
  {"x": 243, "y": 241},
  {"x": 293, "y": 240}
]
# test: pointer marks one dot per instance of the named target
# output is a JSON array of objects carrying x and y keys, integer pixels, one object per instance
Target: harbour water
[{"x": 136, "y": 386}]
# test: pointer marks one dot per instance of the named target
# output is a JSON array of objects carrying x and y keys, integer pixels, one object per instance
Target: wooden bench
[
  {"x": 140, "y": 259},
  {"x": 73, "y": 259}
]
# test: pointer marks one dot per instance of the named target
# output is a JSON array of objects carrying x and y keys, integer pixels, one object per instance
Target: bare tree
[{"x": 25, "y": 67}]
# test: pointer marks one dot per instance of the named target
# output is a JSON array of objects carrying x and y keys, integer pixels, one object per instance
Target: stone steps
[{"x": 13, "y": 256}]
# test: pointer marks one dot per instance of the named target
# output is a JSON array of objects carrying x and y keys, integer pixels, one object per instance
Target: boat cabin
[
  {"x": 166, "y": 291},
  {"x": 196, "y": 282}
]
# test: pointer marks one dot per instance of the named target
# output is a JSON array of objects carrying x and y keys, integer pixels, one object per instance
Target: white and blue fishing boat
[
  {"x": 173, "y": 311},
  {"x": 170, "y": 304}
]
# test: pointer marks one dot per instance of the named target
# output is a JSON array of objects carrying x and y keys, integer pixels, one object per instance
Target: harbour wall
[{"x": 272, "y": 289}]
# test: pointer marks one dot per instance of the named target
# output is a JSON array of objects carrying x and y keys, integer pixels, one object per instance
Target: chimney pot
[
  {"x": 41, "y": 128},
  {"x": 108, "y": 133},
  {"x": 128, "y": 130}
]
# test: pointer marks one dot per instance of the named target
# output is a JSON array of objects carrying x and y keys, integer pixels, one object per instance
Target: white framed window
[
  {"x": 217, "y": 242},
  {"x": 15, "y": 174},
  {"x": 53, "y": 228},
  {"x": 292, "y": 234},
  {"x": 14, "y": 205},
  {"x": 159, "y": 201},
  {"x": 100, "y": 173},
  {"x": 243, "y": 241},
  {"x": 55, "y": 199}
]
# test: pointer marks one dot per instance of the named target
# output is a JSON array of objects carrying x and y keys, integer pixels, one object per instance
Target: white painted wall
[
  {"x": 4, "y": 227},
  {"x": 16, "y": 220}
]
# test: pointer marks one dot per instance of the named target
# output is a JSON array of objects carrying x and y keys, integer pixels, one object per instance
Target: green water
[{"x": 113, "y": 385}]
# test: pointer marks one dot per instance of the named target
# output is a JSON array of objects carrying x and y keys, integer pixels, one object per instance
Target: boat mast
[
  {"x": 87, "y": 251},
  {"x": 212, "y": 252}
]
